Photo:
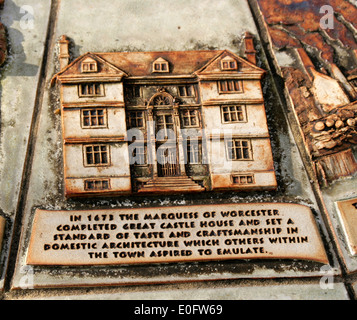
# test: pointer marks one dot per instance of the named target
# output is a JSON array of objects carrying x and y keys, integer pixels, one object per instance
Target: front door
[
  {"x": 166, "y": 145},
  {"x": 167, "y": 162}
]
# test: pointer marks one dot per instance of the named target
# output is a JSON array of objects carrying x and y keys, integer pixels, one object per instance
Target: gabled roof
[
  {"x": 139, "y": 64},
  {"x": 73, "y": 71},
  {"x": 213, "y": 66}
]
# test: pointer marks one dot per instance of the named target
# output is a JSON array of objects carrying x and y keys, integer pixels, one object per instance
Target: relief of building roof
[{"x": 181, "y": 63}]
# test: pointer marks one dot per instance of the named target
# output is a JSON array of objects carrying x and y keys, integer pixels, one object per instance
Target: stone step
[{"x": 171, "y": 184}]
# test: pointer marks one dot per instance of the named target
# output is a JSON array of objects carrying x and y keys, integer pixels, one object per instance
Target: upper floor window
[
  {"x": 136, "y": 119},
  {"x": 230, "y": 86},
  {"x": 190, "y": 118},
  {"x": 238, "y": 149},
  {"x": 135, "y": 91},
  {"x": 187, "y": 91},
  {"x": 160, "y": 65},
  {"x": 91, "y": 90},
  {"x": 233, "y": 114},
  {"x": 89, "y": 65},
  {"x": 94, "y": 118},
  {"x": 165, "y": 126},
  {"x": 229, "y": 63}
]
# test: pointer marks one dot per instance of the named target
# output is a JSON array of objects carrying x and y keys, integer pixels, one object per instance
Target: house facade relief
[
  {"x": 168, "y": 150},
  {"x": 163, "y": 122}
]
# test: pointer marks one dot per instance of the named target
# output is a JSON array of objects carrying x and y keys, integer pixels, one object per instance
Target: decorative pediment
[
  {"x": 90, "y": 67},
  {"x": 229, "y": 63},
  {"x": 161, "y": 99}
]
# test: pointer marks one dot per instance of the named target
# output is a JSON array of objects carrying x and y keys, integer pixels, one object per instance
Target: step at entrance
[{"x": 171, "y": 185}]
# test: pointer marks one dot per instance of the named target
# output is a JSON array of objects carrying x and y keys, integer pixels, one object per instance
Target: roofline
[
  {"x": 100, "y": 55},
  {"x": 55, "y": 77},
  {"x": 181, "y": 51}
]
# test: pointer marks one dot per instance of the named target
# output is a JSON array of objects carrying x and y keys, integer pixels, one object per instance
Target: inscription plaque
[
  {"x": 175, "y": 234},
  {"x": 348, "y": 214}
]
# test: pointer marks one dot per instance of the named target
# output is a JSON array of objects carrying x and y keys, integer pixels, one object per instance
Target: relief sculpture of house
[{"x": 163, "y": 122}]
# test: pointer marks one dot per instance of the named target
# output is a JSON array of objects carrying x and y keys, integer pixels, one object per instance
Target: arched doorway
[{"x": 166, "y": 129}]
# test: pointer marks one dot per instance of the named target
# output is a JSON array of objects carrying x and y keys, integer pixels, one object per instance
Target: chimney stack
[
  {"x": 250, "y": 52},
  {"x": 63, "y": 52}
]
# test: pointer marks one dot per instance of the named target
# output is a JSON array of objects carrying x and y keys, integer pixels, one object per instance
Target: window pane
[
  {"x": 246, "y": 153},
  {"x": 230, "y": 86},
  {"x": 182, "y": 91},
  {"x": 239, "y": 153},
  {"x": 97, "y": 158},
  {"x": 169, "y": 119},
  {"x": 104, "y": 158},
  {"x": 190, "y": 91},
  {"x": 89, "y": 158},
  {"x": 86, "y": 121}
]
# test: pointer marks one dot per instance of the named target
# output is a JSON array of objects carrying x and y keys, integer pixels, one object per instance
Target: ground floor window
[
  {"x": 243, "y": 179},
  {"x": 193, "y": 152},
  {"x": 96, "y": 185}
]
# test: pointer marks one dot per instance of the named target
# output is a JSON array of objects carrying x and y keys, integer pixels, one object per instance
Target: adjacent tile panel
[
  {"x": 348, "y": 214},
  {"x": 175, "y": 234},
  {"x": 2, "y": 230}
]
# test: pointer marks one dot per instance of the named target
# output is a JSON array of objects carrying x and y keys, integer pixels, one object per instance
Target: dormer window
[
  {"x": 160, "y": 65},
  {"x": 89, "y": 65},
  {"x": 229, "y": 63}
]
